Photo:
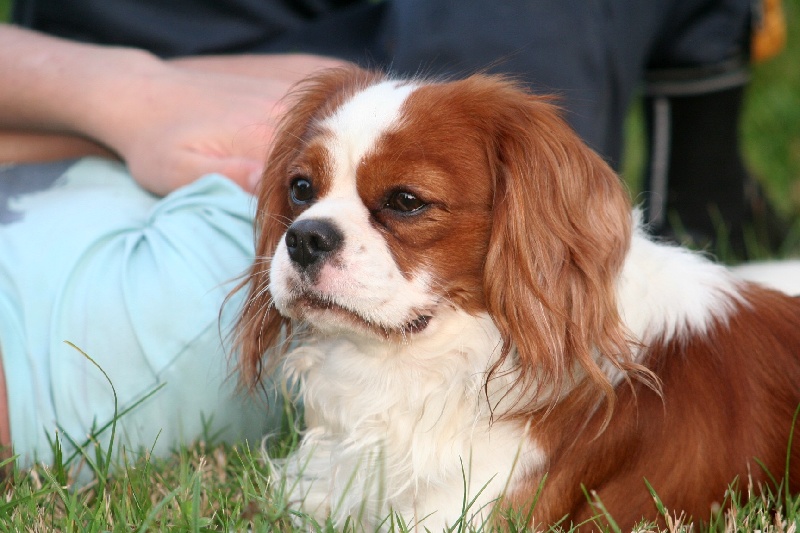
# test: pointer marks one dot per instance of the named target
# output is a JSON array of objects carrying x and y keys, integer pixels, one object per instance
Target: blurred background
[{"x": 770, "y": 131}]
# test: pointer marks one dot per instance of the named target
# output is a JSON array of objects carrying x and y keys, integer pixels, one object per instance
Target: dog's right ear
[{"x": 260, "y": 327}]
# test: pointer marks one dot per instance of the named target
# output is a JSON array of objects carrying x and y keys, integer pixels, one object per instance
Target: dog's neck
[
  {"x": 395, "y": 411},
  {"x": 354, "y": 384}
]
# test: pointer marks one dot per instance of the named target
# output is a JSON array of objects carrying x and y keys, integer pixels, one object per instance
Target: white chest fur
[{"x": 404, "y": 428}]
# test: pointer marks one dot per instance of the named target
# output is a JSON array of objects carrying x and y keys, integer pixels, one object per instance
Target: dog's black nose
[{"x": 308, "y": 241}]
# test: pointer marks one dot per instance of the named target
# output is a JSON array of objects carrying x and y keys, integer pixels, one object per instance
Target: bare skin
[{"x": 33, "y": 147}]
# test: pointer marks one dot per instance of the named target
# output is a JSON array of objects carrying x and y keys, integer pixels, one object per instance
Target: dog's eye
[
  {"x": 404, "y": 202},
  {"x": 302, "y": 191}
]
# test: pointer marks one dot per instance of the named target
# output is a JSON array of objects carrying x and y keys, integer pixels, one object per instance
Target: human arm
[
  {"x": 170, "y": 121},
  {"x": 20, "y": 146}
]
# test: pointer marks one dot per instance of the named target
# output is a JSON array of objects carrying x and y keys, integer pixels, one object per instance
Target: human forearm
[
  {"x": 55, "y": 85},
  {"x": 267, "y": 66},
  {"x": 30, "y": 147}
]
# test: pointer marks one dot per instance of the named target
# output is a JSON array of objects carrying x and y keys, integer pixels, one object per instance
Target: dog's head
[{"x": 385, "y": 204}]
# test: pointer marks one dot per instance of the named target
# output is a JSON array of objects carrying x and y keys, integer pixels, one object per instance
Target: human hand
[{"x": 205, "y": 115}]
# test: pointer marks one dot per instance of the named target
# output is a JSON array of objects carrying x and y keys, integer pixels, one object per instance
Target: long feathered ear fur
[
  {"x": 260, "y": 327},
  {"x": 561, "y": 231}
]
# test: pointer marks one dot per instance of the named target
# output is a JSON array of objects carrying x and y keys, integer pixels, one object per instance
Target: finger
[{"x": 243, "y": 171}]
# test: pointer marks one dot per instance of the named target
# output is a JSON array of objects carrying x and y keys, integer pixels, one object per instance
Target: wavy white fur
[{"x": 783, "y": 275}]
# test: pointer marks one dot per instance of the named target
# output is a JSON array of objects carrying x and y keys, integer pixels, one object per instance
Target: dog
[{"x": 477, "y": 323}]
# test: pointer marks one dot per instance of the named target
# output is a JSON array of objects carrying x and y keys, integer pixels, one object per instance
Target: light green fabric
[{"x": 137, "y": 282}]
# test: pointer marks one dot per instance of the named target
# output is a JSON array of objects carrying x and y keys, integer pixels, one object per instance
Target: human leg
[
  {"x": 697, "y": 186},
  {"x": 136, "y": 282}
]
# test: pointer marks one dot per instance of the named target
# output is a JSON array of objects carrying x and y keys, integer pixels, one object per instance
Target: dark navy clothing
[
  {"x": 341, "y": 28},
  {"x": 592, "y": 53}
]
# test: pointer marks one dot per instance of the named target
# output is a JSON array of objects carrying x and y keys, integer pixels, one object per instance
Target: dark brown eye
[
  {"x": 302, "y": 191},
  {"x": 404, "y": 202}
]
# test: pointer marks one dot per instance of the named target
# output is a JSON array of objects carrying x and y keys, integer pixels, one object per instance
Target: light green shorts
[{"x": 136, "y": 282}]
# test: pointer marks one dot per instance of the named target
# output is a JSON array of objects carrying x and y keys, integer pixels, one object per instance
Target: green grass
[
  {"x": 222, "y": 487},
  {"x": 202, "y": 488},
  {"x": 216, "y": 487}
]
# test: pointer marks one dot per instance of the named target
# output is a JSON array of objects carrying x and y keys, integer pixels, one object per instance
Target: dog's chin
[{"x": 327, "y": 316}]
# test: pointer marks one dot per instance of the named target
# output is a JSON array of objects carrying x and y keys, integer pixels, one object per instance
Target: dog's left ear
[
  {"x": 561, "y": 230},
  {"x": 260, "y": 327}
]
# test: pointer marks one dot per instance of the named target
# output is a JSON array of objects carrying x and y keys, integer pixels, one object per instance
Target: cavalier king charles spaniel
[{"x": 475, "y": 320}]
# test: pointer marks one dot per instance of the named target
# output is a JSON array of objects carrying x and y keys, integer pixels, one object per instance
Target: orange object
[{"x": 769, "y": 33}]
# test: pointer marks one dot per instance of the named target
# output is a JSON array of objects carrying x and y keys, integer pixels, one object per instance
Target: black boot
[{"x": 698, "y": 190}]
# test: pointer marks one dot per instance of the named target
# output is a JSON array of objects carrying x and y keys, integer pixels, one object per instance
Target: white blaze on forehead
[
  {"x": 364, "y": 278},
  {"x": 358, "y": 124},
  {"x": 352, "y": 132}
]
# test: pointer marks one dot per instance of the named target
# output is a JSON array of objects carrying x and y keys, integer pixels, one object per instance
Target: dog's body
[{"x": 479, "y": 309}]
